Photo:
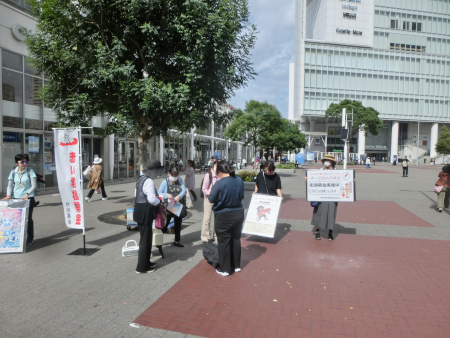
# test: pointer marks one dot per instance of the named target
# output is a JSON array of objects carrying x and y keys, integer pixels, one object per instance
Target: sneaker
[
  {"x": 37, "y": 203},
  {"x": 440, "y": 210},
  {"x": 330, "y": 236},
  {"x": 178, "y": 244},
  {"x": 317, "y": 235},
  {"x": 30, "y": 241},
  {"x": 237, "y": 270},
  {"x": 224, "y": 274},
  {"x": 149, "y": 270},
  {"x": 104, "y": 198},
  {"x": 87, "y": 199},
  {"x": 152, "y": 265}
]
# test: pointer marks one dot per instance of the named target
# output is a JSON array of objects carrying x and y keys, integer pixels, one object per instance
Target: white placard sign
[
  {"x": 262, "y": 215},
  {"x": 67, "y": 159},
  {"x": 330, "y": 186}
]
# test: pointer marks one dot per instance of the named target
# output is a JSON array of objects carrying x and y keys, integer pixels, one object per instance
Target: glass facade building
[{"x": 402, "y": 71}]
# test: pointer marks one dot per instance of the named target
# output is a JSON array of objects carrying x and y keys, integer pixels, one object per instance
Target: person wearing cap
[
  {"x": 146, "y": 207},
  {"x": 96, "y": 180},
  {"x": 324, "y": 214}
]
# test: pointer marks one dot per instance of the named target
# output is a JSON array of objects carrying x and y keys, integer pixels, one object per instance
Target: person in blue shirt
[
  {"x": 24, "y": 181},
  {"x": 227, "y": 195},
  {"x": 173, "y": 187}
]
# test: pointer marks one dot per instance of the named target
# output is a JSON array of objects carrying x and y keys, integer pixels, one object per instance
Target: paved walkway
[{"x": 386, "y": 274}]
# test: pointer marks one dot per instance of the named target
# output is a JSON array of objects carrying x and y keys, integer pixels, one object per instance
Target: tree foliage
[
  {"x": 364, "y": 118},
  {"x": 443, "y": 143},
  {"x": 286, "y": 138},
  {"x": 152, "y": 64}
]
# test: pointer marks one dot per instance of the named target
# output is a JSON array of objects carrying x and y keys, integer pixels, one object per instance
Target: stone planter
[
  {"x": 285, "y": 171},
  {"x": 249, "y": 186}
]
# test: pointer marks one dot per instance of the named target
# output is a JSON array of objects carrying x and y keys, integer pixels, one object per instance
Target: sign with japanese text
[
  {"x": 262, "y": 215},
  {"x": 67, "y": 159},
  {"x": 330, "y": 186}
]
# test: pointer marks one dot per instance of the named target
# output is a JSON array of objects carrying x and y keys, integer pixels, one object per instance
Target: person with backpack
[
  {"x": 405, "y": 166},
  {"x": 24, "y": 181},
  {"x": 173, "y": 188},
  {"x": 208, "y": 182},
  {"x": 146, "y": 207}
]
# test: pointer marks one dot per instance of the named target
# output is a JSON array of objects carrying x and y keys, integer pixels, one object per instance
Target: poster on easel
[
  {"x": 262, "y": 215},
  {"x": 13, "y": 225}
]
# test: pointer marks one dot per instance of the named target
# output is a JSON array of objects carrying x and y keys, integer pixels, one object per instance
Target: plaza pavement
[{"x": 385, "y": 275}]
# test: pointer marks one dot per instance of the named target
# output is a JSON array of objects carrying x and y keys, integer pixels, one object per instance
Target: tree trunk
[{"x": 143, "y": 153}]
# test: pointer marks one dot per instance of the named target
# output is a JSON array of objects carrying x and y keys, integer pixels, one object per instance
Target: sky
[{"x": 274, "y": 50}]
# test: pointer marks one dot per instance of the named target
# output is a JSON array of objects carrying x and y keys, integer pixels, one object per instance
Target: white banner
[
  {"x": 262, "y": 215},
  {"x": 67, "y": 158},
  {"x": 330, "y": 186}
]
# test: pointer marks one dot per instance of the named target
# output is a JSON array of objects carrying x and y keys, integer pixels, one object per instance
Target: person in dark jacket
[
  {"x": 443, "y": 196},
  {"x": 227, "y": 195},
  {"x": 268, "y": 181},
  {"x": 145, "y": 210}
]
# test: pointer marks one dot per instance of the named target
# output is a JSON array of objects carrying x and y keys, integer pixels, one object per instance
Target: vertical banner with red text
[{"x": 68, "y": 171}]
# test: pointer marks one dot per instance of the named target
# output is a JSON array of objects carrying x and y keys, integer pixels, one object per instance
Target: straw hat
[
  {"x": 97, "y": 160},
  {"x": 329, "y": 157},
  {"x": 153, "y": 168}
]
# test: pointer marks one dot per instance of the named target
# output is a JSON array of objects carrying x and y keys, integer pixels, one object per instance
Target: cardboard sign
[{"x": 330, "y": 186}]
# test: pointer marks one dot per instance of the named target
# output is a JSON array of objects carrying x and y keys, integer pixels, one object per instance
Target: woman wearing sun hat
[
  {"x": 96, "y": 180},
  {"x": 324, "y": 214}
]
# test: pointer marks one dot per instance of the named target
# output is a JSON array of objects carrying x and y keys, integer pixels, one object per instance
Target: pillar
[
  {"x": 161, "y": 149},
  {"x": 226, "y": 151},
  {"x": 212, "y": 140},
  {"x": 312, "y": 126},
  {"x": 111, "y": 156},
  {"x": 192, "y": 143},
  {"x": 433, "y": 139},
  {"x": 184, "y": 150},
  {"x": 362, "y": 141},
  {"x": 394, "y": 141}
]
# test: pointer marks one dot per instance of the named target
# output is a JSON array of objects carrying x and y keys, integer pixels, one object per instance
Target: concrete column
[
  {"x": 226, "y": 151},
  {"x": 184, "y": 151},
  {"x": 212, "y": 140},
  {"x": 161, "y": 149},
  {"x": 433, "y": 139},
  {"x": 361, "y": 142},
  {"x": 312, "y": 126},
  {"x": 111, "y": 156},
  {"x": 394, "y": 141},
  {"x": 192, "y": 143}
]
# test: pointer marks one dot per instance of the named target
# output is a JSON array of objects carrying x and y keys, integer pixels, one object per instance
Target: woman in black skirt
[{"x": 227, "y": 195}]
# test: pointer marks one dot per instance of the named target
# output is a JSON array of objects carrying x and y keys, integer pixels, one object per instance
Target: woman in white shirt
[{"x": 189, "y": 181}]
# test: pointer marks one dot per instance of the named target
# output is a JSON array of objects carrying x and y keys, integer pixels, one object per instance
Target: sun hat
[
  {"x": 153, "y": 168},
  {"x": 329, "y": 157},
  {"x": 97, "y": 160}
]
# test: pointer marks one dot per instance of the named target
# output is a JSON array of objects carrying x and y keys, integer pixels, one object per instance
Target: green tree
[
  {"x": 364, "y": 118},
  {"x": 255, "y": 124},
  {"x": 150, "y": 65},
  {"x": 443, "y": 143},
  {"x": 286, "y": 138}
]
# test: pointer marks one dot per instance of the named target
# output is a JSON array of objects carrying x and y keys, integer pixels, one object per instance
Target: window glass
[
  {"x": 29, "y": 69},
  {"x": 12, "y": 84},
  {"x": 50, "y": 117},
  {"x": 11, "y": 60},
  {"x": 21, "y": 3},
  {"x": 419, "y": 27},
  {"x": 33, "y": 104}
]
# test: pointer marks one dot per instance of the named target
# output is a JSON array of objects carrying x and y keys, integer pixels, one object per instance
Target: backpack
[
  {"x": 211, "y": 254},
  {"x": 404, "y": 163},
  {"x": 202, "y": 195}
]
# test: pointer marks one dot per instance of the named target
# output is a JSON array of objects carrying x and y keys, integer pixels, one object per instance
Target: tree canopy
[
  {"x": 443, "y": 143},
  {"x": 153, "y": 65},
  {"x": 261, "y": 125},
  {"x": 364, "y": 118}
]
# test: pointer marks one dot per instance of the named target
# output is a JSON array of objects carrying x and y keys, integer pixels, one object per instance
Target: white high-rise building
[{"x": 393, "y": 56}]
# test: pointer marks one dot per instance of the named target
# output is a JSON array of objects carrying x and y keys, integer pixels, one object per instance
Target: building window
[
  {"x": 413, "y": 26},
  {"x": 394, "y": 24},
  {"x": 419, "y": 27},
  {"x": 406, "y": 25}
]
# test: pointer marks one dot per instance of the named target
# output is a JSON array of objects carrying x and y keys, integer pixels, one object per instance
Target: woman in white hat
[{"x": 96, "y": 180}]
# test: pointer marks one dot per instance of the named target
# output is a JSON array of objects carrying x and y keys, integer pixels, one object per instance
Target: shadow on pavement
[
  {"x": 338, "y": 229},
  {"x": 49, "y": 204},
  {"x": 250, "y": 253},
  {"x": 40, "y": 243},
  {"x": 281, "y": 231},
  {"x": 112, "y": 238}
]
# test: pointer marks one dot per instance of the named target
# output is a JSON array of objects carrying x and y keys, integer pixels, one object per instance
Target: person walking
[
  {"x": 209, "y": 181},
  {"x": 324, "y": 214},
  {"x": 227, "y": 195},
  {"x": 22, "y": 184},
  {"x": 146, "y": 207},
  {"x": 190, "y": 178},
  {"x": 173, "y": 187},
  {"x": 268, "y": 181},
  {"x": 405, "y": 166},
  {"x": 367, "y": 162},
  {"x": 444, "y": 194},
  {"x": 96, "y": 180}
]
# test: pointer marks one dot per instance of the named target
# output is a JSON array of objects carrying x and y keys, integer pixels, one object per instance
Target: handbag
[
  {"x": 88, "y": 172},
  {"x": 98, "y": 191},
  {"x": 437, "y": 189},
  {"x": 160, "y": 220},
  {"x": 189, "y": 203}
]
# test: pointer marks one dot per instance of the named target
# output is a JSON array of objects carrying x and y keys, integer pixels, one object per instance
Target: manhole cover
[{"x": 115, "y": 217}]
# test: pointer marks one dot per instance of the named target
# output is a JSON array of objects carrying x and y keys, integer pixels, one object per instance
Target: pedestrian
[
  {"x": 405, "y": 166},
  {"x": 268, "y": 181},
  {"x": 324, "y": 214},
  {"x": 211, "y": 161},
  {"x": 209, "y": 181},
  {"x": 424, "y": 161},
  {"x": 244, "y": 163},
  {"x": 146, "y": 207},
  {"x": 374, "y": 160},
  {"x": 173, "y": 187},
  {"x": 227, "y": 195},
  {"x": 296, "y": 164},
  {"x": 96, "y": 180},
  {"x": 190, "y": 178},
  {"x": 444, "y": 194},
  {"x": 181, "y": 163},
  {"x": 24, "y": 181},
  {"x": 367, "y": 163}
]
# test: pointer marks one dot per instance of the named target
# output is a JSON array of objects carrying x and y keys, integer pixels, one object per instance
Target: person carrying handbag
[
  {"x": 443, "y": 188},
  {"x": 268, "y": 181},
  {"x": 173, "y": 188},
  {"x": 96, "y": 180}
]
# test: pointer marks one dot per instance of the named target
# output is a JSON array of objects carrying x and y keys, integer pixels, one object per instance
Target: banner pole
[{"x": 81, "y": 186}]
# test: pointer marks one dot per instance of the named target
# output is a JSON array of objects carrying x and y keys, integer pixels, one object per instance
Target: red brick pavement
[
  {"x": 355, "y": 286},
  {"x": 362, "y": 212}
]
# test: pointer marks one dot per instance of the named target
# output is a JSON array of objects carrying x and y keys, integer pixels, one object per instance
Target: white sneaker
[
  {"x": 237, "y": 270},
  {"x": 87, "y": 199},
  {"x": 104, "y": 198},
  {"x": 224, "y": 274}
]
